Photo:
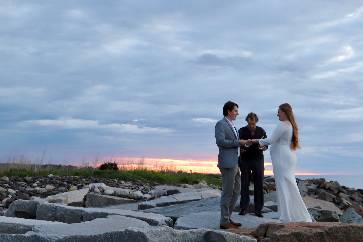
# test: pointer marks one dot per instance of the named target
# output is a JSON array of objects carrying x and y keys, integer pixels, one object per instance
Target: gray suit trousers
[{"x": 231, "y": 187}]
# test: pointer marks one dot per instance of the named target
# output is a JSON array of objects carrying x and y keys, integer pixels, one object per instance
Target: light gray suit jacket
[{"x": 227, "y": 143}]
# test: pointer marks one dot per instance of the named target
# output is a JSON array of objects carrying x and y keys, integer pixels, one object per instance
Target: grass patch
[{"x": 140, "y": 174}]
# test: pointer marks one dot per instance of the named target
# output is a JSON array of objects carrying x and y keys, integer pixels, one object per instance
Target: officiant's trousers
[{"x": 252, "y": 170}]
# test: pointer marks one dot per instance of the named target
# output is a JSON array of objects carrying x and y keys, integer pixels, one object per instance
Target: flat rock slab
[
  {"x": 99, "y": 200},
  {"x": 94, "y": 227},
  {"x": 69, "y": 214},
  {"x": 196, "y": 194},
  {"x": 114, "y": 228},
  {"x": 178, "y": 210},
  {"x": 127, "y": 206},
  {"x": 91, "y": 213},
  {"x": 211, "y": 219}
]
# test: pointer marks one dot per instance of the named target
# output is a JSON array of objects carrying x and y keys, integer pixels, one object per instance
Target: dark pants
[{"x": 252, "y": 169}]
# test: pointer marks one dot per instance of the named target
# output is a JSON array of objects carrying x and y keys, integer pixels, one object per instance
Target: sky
[{"x": 84, "y": 81}]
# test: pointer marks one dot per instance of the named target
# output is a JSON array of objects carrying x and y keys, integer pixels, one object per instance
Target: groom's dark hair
[{"x": 229, "y": 106}]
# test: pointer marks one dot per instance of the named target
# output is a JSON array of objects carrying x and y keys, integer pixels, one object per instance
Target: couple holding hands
[{"x": 244, "y": 149}]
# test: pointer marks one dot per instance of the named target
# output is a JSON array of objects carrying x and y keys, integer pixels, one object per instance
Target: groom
[{"x": 228, "y": 143}]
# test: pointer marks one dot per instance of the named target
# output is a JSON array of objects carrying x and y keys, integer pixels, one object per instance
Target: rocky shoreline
[{"x": 33, "y": 201}]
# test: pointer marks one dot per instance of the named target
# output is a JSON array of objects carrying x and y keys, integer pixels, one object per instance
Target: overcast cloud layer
[{"x": 87, "y": 79}]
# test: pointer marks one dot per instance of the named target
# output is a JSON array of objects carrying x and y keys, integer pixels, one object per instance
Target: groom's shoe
[
  {"x": 228, "y": 226},
  {"x": 234, "y": 223},
  {"x": 242, "y": 212},
  {"x": 259, "y": 214}
]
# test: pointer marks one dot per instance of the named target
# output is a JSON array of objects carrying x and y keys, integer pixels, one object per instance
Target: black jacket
[{"x": 251, "y": 153}]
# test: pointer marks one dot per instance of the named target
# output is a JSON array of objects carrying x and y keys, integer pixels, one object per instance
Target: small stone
[
  {"x": 72, "y": 188},
  {"x": 49, "y": 187},
  {"x": 50, "y": 175},
  {"x": 28, "y": 179},
  {"x": 11, "y": 191},
  {"x": 62, "y": 189},
  {"x": 7, "y": 201},
  {"x": 41, "y": 190},
  {"x": 2, "y": 190},
  {"x": 5, "y": 178}
]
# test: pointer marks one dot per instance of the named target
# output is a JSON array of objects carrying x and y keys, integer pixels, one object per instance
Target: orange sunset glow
[{"x": 187, "y": 165}]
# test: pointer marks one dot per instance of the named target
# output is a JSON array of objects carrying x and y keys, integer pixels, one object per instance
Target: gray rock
[
  {"x": 160, "y": 202},
  {"x": 351, "y": 216},
  {"x": 182, "y": 197},
  {"x": 3, "y": 190},
  {"x": 271, "y": 205},
  {"x": 302, "y": 188},
  {"x": 5, "y": 179},
  {"x": 311, "y": 202},
  {"x": 66, "y": 214},
  {"x": 57, "y": 213},
  {"x": 164, "y": 190},
  {"x": 119, "y": 229},
  {"x": 271, "y": 196},
  {"x": 333, "y": 186},
  {"x": 109, "y": 192},
  {"x": 11, "y": 191},
  {"x": 210, "y": 220},
  {"x": 41, "y": 190},
  {"x": 178, "y": 210},
  {"x": 321, "y": 215},
  {"x": 49, "y": 187},
  {"x": 127, "y": 193},
  {"x": 99, "y": 200},
  {"x": 72, "y": 197},
  {"x": 22, "y": 209},
  {"x": 324, "y": 195},
  {"x": 73, "y": 188}
]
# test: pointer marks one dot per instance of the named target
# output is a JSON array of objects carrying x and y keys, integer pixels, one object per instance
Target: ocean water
[{"x": 354, "y": 181}]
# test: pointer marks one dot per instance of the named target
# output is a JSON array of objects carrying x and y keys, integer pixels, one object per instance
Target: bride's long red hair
[{"x": 287, "y": 109}]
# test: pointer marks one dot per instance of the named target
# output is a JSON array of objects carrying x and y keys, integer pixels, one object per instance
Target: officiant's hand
[{"x": 245, "y": 142}]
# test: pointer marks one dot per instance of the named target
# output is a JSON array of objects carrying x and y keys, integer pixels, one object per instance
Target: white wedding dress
[{"x": 291, "y": 207}]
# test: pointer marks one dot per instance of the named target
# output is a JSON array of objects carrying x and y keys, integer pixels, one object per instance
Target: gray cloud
[{"x": 149, "y": 79}]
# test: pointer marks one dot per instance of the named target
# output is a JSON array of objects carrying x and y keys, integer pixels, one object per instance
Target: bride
[{"x": 284, "y": 141}]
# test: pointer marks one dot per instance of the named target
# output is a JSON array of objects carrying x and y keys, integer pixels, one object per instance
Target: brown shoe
[
  {"x": 234, "y": 223},
  {"x": 228, "y": 226}
]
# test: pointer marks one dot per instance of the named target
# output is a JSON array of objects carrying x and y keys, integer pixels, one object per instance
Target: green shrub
[{"x": 108, "y": 166}]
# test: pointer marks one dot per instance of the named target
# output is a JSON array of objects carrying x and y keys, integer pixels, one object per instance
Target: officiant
[{"x": 251, "y": 163}]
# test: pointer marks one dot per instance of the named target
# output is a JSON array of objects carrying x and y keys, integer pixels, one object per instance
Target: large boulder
[
  {"x": 351, "y": 216},
  {"x": 22, "y": 209},
  {"x": 71, "y": 198},
  {"x": 303, "y": 232},
  {"x": 67, "y": 214},
  {"x": 322, "y": 211}
]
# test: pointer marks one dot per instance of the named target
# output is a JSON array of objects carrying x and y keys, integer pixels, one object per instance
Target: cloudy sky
[{"x": 83, "y": 80}]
